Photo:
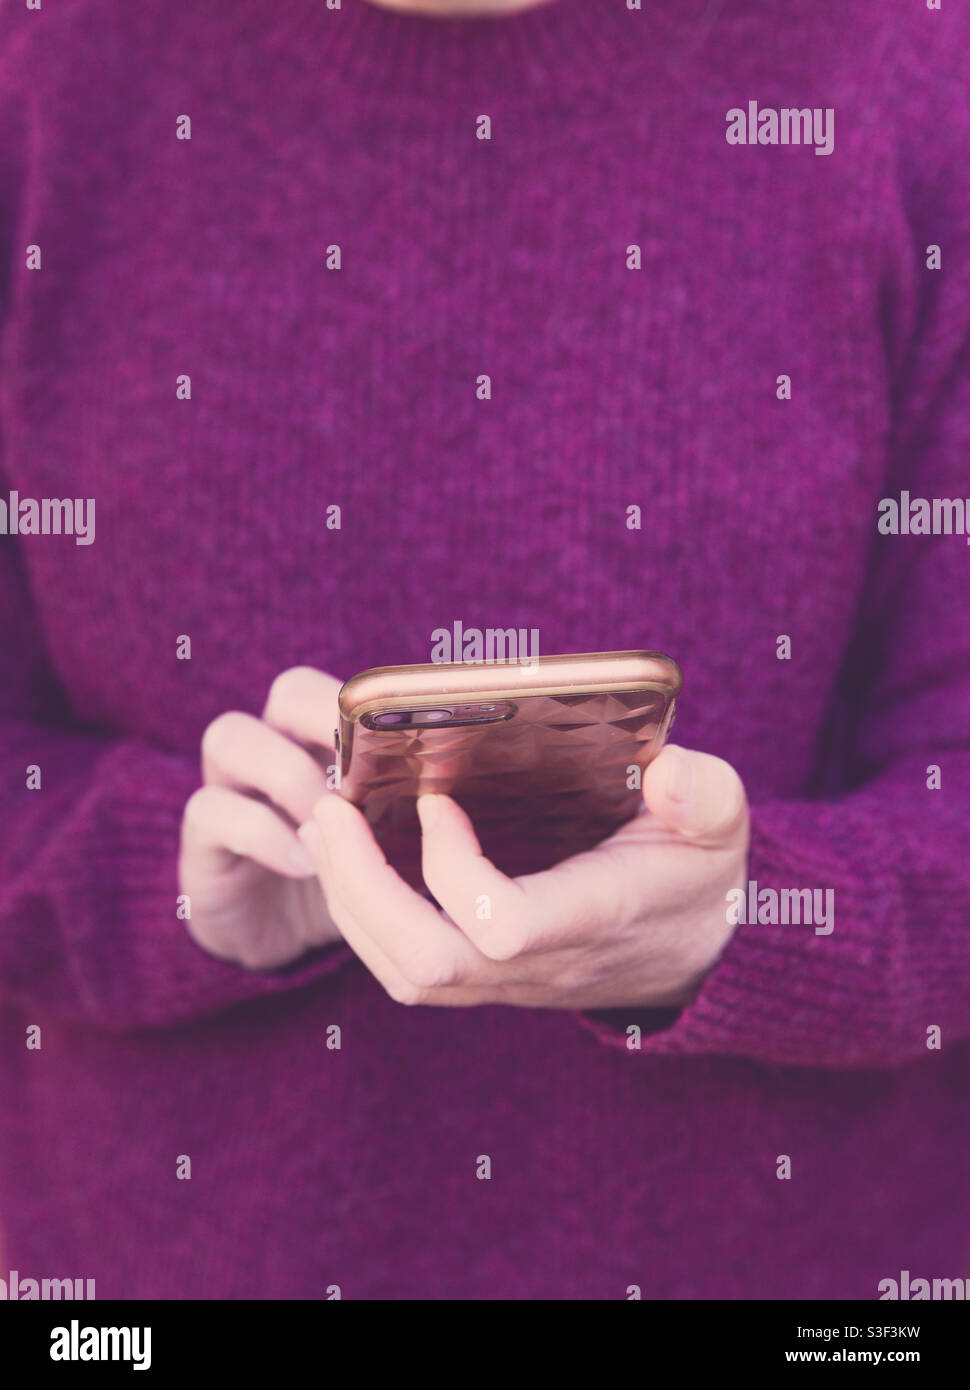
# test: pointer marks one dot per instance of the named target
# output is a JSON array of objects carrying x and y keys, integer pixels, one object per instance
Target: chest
[{"x": 338, "y": 387}]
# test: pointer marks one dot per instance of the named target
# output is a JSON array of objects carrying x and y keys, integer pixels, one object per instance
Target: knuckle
[
  {"x": 196, "y": 812},
  {"x": 286, "y": 685},
  {"x": 404, "y": 992},
  {"x": 221, "y": 733},
  {"x": 428, "y": 976},
  {"x": 504, "y": 944},
  {"x": 419, "y": 980},
  {"x": 506, "y": 938}
]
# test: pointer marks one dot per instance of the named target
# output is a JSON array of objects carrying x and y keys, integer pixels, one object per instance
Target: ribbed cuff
[
  {"x": 785, "y": 993},
  {"x": 90, "y": 927}
]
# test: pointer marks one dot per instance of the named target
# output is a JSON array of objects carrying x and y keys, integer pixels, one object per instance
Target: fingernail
[
  {"x": 680, "y": 778},
  {"x": 300, "y": 859},
  {"x": 429, "y": 811}
]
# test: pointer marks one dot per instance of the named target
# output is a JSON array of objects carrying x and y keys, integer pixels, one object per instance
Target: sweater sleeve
[
  {"x": 893, "y": 846},
  {"x": 88, "y": 882}
]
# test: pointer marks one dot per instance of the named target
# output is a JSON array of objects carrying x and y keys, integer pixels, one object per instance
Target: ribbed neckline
[{"x": 559, "y": 45}]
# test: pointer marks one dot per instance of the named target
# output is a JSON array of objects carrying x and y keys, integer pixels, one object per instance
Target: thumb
[{"x": 696, "y": 795}]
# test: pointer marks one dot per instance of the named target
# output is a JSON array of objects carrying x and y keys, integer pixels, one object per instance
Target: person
[{"x": 347, "y": 323}]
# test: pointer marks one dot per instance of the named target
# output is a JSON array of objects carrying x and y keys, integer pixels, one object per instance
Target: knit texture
[{"x": 611, "y": 387}]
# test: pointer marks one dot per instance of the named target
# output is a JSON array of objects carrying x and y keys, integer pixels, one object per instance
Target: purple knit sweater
[{"x": 611, "y": 386}]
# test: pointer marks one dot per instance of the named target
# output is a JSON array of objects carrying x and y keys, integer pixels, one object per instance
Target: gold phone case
[{"x": 550, "y": 770}]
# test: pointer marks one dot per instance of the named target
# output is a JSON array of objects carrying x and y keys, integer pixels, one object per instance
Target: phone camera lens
[
  {"x": 385, "y": 720},
  {"x": 435, "y": 716}
]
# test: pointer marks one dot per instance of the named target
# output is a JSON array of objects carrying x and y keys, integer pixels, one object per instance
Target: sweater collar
[{"x": 558, "y": 46}]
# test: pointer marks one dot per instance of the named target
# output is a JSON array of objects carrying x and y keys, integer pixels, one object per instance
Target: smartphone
[{"x": 545, "y": 757}]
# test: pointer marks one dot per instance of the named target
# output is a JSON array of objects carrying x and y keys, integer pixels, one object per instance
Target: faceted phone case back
[{"x": 549, "y": 782}]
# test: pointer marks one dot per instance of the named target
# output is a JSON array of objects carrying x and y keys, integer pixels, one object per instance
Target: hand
[
  {"x": 253, "y": 889},
  {"x": 636, "y": 922}
]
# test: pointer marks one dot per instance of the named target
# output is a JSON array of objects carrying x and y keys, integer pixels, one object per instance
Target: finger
[
  {"x": 507, "y": 918},
  {"x": 241, "y": 752},
  {"x": 219, "y": 827},
  {"x": 697, "y": 795},
  {"x": 366, "y": 895},
  {"x": 383, "y": 969},
  {"x": 302, "y": 703},
  {"x": 492, "y": 910}
]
